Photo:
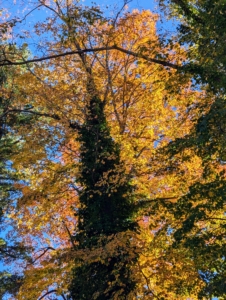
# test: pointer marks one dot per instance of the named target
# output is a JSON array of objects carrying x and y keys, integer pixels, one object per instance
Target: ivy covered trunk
[{"x": 106, "y": 212}]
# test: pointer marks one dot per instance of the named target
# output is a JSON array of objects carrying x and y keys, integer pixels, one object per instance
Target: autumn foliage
[{"x": 117, "y": 194}]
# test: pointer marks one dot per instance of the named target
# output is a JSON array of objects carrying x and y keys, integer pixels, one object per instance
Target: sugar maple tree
[{"x": 106, "y": 174}]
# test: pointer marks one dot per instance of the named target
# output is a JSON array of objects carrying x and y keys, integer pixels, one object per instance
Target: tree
[
  {"x": 115, "y": 119},
  {"x": 106, "y": 211},
  {"x": 9, "y": 252},
  {"x": 203, "y": 227},
  {"x": 140, "y": 112},
  {"x": 206, "y": 46}
]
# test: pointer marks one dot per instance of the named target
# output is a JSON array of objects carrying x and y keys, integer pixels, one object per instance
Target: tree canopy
[{"x": 113, "y": 154}]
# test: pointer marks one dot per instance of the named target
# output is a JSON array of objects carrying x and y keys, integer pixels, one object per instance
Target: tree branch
[
  {"x": 44, "y": 252},
  {"x": 49, "y": 292},
  {"x": 73, "y": 125},
  {"x": 221, "y": 219},
  {"x": 145, "y": 57},
  {"x": 62, "y": 295},
  {"x": 71, "y": 237},
  {"x": 56, "y": 117},
  {"x": 31, "y": 11},
  {"x": 98, "y": 49},
  {"x": 144, "y": 204},
  {"x": 147, "y": 283}
]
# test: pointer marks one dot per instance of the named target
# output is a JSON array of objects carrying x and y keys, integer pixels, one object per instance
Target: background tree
[
  {"x": 201, "y": 28},
  {"x": 203, "y": 208},
  {"x": 10, "y": 251}
]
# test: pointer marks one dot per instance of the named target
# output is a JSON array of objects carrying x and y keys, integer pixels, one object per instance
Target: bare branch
[
  {"x": 221, "y": 219},
  {"x": 44, "y": 252},
  {"x": 98, "y": 49},
  {"x": 119, "y": 12},
  {"x": 49, "y": 292},
  {"x": 62, "y": 295},
  {"x": 29, "y": 13},
  {"x": 70, "y": 235},
  {"x": 145, "y": 57},
  {"x": 50, "y": 8}
]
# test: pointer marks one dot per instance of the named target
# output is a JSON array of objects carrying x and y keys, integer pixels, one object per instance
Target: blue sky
[
  {"x": 140, "y": 4},
  {"x": 19, "y": 8}
]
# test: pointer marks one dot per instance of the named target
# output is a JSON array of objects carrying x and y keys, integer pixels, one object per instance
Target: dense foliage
[{"x": 113, "y": 155}]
